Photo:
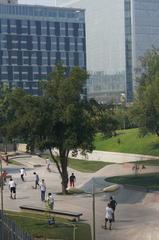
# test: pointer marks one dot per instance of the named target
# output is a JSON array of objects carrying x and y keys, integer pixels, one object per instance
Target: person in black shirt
[
  {"x": 72, "y": 180},
  {"x": 113, "y": 204}
]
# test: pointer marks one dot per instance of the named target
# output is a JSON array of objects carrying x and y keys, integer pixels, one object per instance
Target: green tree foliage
[
  {"x": 68, "y": 125},
  {"x": 60, "y": 120},
  {"x": 104, "y": 118},
  {"x": 145, "y": 111}
]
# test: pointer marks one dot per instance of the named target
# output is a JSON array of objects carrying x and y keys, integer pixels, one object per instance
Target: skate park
[{"x": 137, "y": 209}]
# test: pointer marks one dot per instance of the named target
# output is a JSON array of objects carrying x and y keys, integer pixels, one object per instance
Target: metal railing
[{"x": 10, "y": 231}]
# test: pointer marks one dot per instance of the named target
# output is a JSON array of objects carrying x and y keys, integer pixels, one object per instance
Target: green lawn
[
  {"x": 86, "y": 166},
  {"x": 148, "y": 162},
  {"x": 37, "y": 226},
  {"x": 14, "y": 162},
  {"x": 130, "y": 142},
  {"x": 150, "y": 181}
]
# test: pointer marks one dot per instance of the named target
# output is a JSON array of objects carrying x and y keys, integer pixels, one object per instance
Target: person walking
[
  {"x": 22, "y": 173},
  {"x": 12, "y": 187},
  {"x": 113, "y": 204},
  {"x": 36, "y": 180},
  {"x": 43, "y": 190},
  {"x": 50, "y": 200},
  {"x": 48, "y": 162},
  {"x": 72, "y": 180},
  {"x": 108, "y": 216}
]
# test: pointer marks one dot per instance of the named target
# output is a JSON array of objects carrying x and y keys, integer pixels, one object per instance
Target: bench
[{"x": 73, "y": 215}]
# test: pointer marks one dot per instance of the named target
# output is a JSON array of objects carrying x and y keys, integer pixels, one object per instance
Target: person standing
[
  {"x": 108, "y": 216},
  {"x": 4, "y": 176},
  {"x": 12, "y": 187},
  {"x": 22, "y": 173},
  {"x": 113, "y": 204},
  {"x": 50, "y": 200},
  {"x": 43, "y": 190},
  {"x": 36, "y": 180},
  {"x": 72, "y": 180}
]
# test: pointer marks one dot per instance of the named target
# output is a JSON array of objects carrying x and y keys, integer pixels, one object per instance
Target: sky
[{"x": 44, "y": 2}]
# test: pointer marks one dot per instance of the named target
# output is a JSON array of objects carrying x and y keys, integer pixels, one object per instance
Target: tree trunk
[
  {"x": 62, "y": 167},
  {"x": 64, "y": 180},
  {"x": 64, "y": 174}
]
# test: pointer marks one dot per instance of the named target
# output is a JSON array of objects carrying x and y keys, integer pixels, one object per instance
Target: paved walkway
[
  {"x": 136, "y": 215},
  {"x": 115, "y": 157}
]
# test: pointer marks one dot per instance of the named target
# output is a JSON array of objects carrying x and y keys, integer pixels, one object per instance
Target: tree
[
  {"x": 66, "y": 123},
  {"x": 20, "y": 114},
  {"x": 145, "y": 110},
  {"x": 104, "y": 118},
  {"x": 60, "y": 119}
]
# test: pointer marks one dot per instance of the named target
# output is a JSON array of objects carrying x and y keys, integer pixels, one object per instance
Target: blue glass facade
[
  {"x": 34, "y": 38},
  {"x": 128, "y": 50}
]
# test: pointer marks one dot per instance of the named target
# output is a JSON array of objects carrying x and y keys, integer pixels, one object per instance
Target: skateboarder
[
  {"x": 48, "y": 162},
  {"x": 108, "y": 216},
  {"x": 113, "y": 204},
  {"x": 22, "y": 173},
  {"x": 36, "y": 180},
  {"x": 12, "y": 187}
]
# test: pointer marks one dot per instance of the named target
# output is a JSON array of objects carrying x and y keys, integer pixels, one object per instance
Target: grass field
[
  {"x": 149, "y": 162},
  {"x": 84, "y": 165},
  {"x": 150, "y": 181},
  {"x": 15, "y": 162},
  {"x": 130, "y": 142},
  {"x": 37, "y": 226}
]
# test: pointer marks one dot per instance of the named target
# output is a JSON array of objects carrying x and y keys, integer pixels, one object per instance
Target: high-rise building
[
  {"x": 119, "y": 32},
  {"x": 34, "y": 38},
  {"x": 8, "y": 1}
]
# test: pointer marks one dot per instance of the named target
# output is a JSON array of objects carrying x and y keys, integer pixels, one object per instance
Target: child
[{"x": 50, "y": 201}]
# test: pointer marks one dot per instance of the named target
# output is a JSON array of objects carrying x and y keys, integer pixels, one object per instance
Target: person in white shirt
[
  {"x": 22, "y": 172},
  {"x": 108, "y": 216},
  {"x": 50, "y": 200},
  {"x": 43, "y": 190},
  {"x": 48, "y": 162},
  {"x": 12, "y": 187}
]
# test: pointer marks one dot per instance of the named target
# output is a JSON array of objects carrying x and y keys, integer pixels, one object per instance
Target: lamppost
[
  {"x": 111, "y": 188},
  {"x": 123, "y": 104}
]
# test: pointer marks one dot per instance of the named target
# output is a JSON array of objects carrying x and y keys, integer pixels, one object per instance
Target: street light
[
  {"x": 111, "y": 188},
  {"x": 123, "y": 104}
]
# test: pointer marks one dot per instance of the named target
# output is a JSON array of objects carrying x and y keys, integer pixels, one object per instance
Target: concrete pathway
[
  {"x": 115, "y": 157},
  {"x": 136, "y": 215}
]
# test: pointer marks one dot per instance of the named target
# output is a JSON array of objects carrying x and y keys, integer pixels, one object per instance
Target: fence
[{"x": 10, "y": 231}]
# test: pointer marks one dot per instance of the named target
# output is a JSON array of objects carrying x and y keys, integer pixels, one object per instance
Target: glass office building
[
  {"x": 8, "y": 1},
  {"x": 34, "y": 38},
  {"x": 118, "y": 32}
]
